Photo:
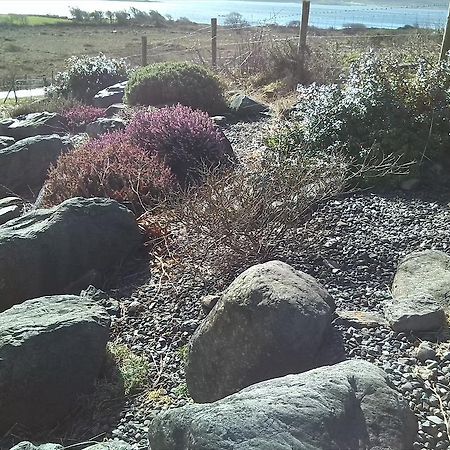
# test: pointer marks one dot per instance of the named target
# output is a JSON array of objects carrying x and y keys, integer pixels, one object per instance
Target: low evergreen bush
[
  {"x": 170, "y": 83},
  {"x": 185, "y": 139}
]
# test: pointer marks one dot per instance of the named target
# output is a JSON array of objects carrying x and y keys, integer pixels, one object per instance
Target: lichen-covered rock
[
  {"x": 51, "y": 351},
  {"x": 346, "y": 406},
  {"x": 268, "y": 323},
  {"x": 46, "y": 251}
]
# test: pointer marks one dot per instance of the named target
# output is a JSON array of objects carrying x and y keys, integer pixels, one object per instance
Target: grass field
[
  {"x": 39, "y": 51},
  {"x": 16, "y": 19}
]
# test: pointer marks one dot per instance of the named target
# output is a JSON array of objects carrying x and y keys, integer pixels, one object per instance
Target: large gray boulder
[
  {"x": 46, "y": 251},
  {"x": 421, "y": 292},
  {"x": 346, "y": 406},
  {"x": 51, "y": 352},
  {"x": 418, "y": 313},
  {"x": 110, "y": 95},
  {"x": 25, "y": 164},
  {"x": 33, "y": 124},
  {"x": 268, "y": 323}
]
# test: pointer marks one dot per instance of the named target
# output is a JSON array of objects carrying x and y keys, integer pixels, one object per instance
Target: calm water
[{"x": 255, "y": 12}]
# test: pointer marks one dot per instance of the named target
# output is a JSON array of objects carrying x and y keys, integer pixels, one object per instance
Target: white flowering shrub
[
  {"x": 379, "y": 110},
  {"x": 86, "y": 75}
]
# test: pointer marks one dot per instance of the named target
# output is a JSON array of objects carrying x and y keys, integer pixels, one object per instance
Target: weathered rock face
[
  {"x": 418, "y": 313},
  {"x": 35, "y": 124},
  {"x": 104, "y": 125},
  {"x": 47, "y": 250},
  {"x": 6, "y": 141},
  {"x": 10, "y": 208},
  {"x": 268, "y": 323},
  {"x": 421, "y": 292},
  {"x": 25, "y": 163},
  {"x": 346, "y": 406},
  {"x": 110, "y": 95},
  {"x": 51, "y": 351},
  {"x": 243, "y": 105}
]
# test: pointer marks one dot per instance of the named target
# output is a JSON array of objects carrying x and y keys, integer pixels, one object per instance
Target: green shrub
[
  {"x": 86, "y": 75},
  {"x": 379, "y": 111},
  {"x": 134, "y": 370},
  {"x": 171, "y": 83}
]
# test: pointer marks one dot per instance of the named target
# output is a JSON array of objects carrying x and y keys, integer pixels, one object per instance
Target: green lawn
[{"x": 16, "y": 19}]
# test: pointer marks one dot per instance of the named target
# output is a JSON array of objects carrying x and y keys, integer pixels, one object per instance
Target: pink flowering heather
[
  {"x": 109, "y": 167},
  {"x": 81, "y": 115},
  {"x": 187, "y": 140}
]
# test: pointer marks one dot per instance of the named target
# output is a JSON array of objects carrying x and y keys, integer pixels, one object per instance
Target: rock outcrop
[
  {"x": 268, "y": 323},
  {"x": 46, "y": 251},
  {"x": 346, "y": 406},
  {"x": 10, "y": 208}
]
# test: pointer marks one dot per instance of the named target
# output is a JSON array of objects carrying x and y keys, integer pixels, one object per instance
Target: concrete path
[{"x": 24, "y": 93}]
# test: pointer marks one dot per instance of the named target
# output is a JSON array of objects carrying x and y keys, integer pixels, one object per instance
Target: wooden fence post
[
  {"x": 144, "y": 50},
  {"x": 446, "y": 40},
  {"x": 214, "y": 42},
  {"x": 303, "y": 34}
]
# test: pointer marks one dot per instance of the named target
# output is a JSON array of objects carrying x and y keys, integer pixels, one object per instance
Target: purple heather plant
[
  {"x": 81, "y": 115},
  {"x": 109, "y": 166},
  {"x": 185, "y": 139}
]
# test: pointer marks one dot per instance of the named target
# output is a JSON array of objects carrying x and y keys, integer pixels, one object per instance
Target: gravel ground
[{"x": 352, "y": 245}]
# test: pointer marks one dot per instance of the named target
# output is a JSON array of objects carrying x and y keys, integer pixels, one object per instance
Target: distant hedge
[{"x": 170, "y": 83}]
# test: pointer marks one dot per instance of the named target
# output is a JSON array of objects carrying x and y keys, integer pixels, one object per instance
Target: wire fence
[{"x": 238, "y": 43}]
